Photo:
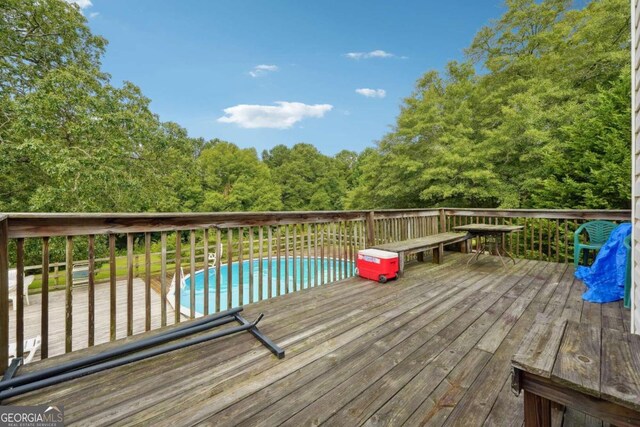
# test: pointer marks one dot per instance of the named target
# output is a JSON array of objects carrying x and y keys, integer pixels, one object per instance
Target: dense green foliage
[
  {"x": 537, "y": 115},
  {"x": 546, "y": 123}
]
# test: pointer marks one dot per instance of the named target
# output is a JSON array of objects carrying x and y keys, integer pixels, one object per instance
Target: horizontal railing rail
[
  {"x": 131, "y": 261},
  {"x": 586, "y": 214}
]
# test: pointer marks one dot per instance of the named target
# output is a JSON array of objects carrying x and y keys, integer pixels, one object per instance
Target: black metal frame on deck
[{"x": 10, "y": 385}]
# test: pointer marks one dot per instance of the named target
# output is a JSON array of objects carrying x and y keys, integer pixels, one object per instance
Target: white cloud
[
  {"x": 281, "y": 116},
  {"x": 83, "y": 4},
  {"x": 93, "y": 14},
  {"x": 372, "y": 93},
  {"x": 367, "y": 55},
  {"x": 262, "y": 69}
]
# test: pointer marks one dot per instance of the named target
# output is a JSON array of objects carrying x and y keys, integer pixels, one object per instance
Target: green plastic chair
[
  {"x": 597, "y": 232},
  {"x": 627, "y": 276}
]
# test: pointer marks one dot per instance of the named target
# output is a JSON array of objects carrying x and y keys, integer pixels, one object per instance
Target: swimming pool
[{"x": 306, "y": 268}]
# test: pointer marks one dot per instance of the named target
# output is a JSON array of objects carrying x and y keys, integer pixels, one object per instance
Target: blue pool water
[{"x": 305, "y": 268}]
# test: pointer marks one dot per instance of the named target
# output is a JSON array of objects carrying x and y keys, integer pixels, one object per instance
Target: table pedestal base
[{"x": 492, "y": 244}]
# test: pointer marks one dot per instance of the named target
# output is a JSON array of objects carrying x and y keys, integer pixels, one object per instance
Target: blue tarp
[{"x": 605, "y": 277}]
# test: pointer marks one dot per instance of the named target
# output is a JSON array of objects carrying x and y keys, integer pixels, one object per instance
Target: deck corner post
[
  {"x": 371, "y": 237},
  {"x": 537, "y": 410},
  {"x": 4, "y": 293},
  {"x": 443, "y": 221}
]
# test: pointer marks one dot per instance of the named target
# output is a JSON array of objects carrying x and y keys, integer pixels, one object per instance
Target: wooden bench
[
  {"x": 568, "y": 364},
  {"x": 435, "y": 242}
]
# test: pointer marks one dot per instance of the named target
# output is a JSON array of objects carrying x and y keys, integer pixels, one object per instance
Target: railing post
[
  {"x": 4, "y": 293},
  {"x": 371, "y": 237},
  {"x": 443, "y": 221}
]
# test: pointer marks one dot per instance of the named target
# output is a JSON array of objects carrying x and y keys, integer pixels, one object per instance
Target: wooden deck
[{"x": 433, "y": 348}]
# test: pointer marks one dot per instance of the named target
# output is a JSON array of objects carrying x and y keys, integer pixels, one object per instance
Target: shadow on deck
[{"x": 431, "y": 348}]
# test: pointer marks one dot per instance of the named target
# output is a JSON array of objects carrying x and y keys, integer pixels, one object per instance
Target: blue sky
[{"x": 282, "y": 69}]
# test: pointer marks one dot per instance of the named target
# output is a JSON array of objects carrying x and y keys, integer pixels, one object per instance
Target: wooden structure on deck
[
  {"x": 569, "y": 364},
  {"x": 434, "y": 242}
]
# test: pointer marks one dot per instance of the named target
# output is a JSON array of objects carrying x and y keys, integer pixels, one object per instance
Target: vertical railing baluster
[
  {"x": 540, "y": 222},
  {"x": 548, "y": 240},
  {"x": 240, "y": 267},
  {"x": 278, "y": 255},
  {"x": 517, "y": 239},
  {"x": 44, "y": 304},
  {"x": 130, "y": 284},
  {"x": 4, "y": 293},
  {"x": 269, "y": 262},
  {"x": 112, "y": 287},
  {"x": 575, "y": 227},
  {"x": 340, "y": 244},
  {"x": 260, "y": 263},
  {"x": 345, "y": 243},
  {"x": 309, "y": 243},
  {"x": 163, "y": 278},
  {"x": 315, "y": 255},
  {"x": 322, "y": 267},
  {"x": 524, "y": 239},
  {"x": 330, "y": 251},
  {"x": 334, "y": 261},
  {"x": 92, "y": 292},
  {"x": 205, "y": 272},
  {"x": 394, "y": 235},
  {"x": 302, "y": 265},
  {"x": 347, "y": 246},
  {"x": 286, "y": 259},
  {"x": 250, "y": 265},
  {"x": 147, "y": 281},
  {"x": 511, "y": 237},
  {"x": 68, "y": 321},
  {"x": 19, "y": 297},
  {"x": 557, "y": 248},
  {"x": 389, "y": 236},
  {"x": 566, "y": 241},
  {"x": 177, "y": 284},
  {"x": 533, "y": 238},
  {"x": 229, "y": 268},
  {"x": 192, "y": 274},
  {"x": 353, "y": 246},
  {"x": 218, "y": 265},
  {"x": 295, "y": 258}
]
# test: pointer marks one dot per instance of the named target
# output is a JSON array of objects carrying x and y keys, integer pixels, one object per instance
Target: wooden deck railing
[
  {"x": 155, "y": 247},
  {"x": 547, "y": 234}
]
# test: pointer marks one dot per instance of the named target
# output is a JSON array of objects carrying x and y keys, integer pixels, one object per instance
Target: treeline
[
  {"x": 537, "y": 115},
  {"x": 72, "y": 141}
]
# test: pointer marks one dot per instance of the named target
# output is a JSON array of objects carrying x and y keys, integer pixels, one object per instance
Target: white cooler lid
[{"x": 378, "y": 253}]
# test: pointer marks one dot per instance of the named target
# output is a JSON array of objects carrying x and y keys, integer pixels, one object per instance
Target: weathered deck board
[
  {"x": 578, "y": 361},
  {"x": 432, "y": 348}
]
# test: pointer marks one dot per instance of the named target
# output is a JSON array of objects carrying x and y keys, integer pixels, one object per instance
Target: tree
[
  {"x": 308, "y": 178},
  {"x": 488, "y": 140},
  {"x": 592, "y": 168},
  {"x": 233, "y": 179},
  {"x": 71, "y": 141}
]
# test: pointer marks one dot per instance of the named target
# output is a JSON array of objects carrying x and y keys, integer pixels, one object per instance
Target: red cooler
[{"x": 377, "y": 265}]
